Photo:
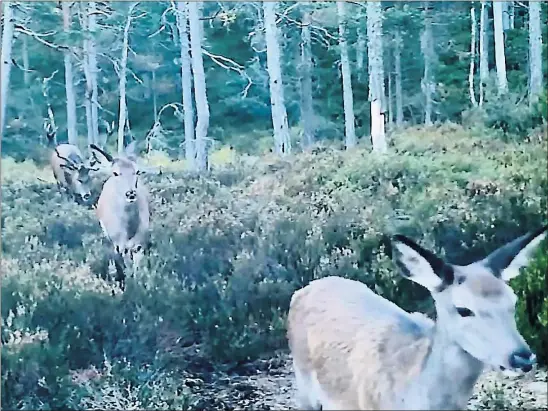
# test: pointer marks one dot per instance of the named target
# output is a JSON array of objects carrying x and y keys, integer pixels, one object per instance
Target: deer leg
[{"x": 120, "y": 266}]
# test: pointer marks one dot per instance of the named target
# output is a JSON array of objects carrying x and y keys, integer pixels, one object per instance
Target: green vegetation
[{"x": 229, "y": 250}]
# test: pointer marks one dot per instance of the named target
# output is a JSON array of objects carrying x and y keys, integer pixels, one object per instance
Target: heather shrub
[{"x": 230, "y": 248}]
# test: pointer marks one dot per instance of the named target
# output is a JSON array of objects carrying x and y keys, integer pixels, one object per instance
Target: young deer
[
  {"x": 123, "y": 208},
  {"x": 69, "y": 169},
  {"x": 353, "y": 349}
]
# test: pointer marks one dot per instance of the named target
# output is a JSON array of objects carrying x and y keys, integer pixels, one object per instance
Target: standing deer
[
  {"x": 123, "y": 208},
  {"x": 354, "y": 350},
  {"x": 69, "y": 169}
]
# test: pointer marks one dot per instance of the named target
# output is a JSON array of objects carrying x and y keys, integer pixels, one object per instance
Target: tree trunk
[
  {"x": 348, "y": 99},
  {"x": 505, "y": 15},
  {"x": 427, "y": 47},
  {"x": 390, "y": 96},
  {"x": 361, "y": 44},
  {"x": 186, "y": 84},
  {"x": 154, "y": 98},
  {"x": 84, "y": 21},
  {"x": 535, "y": 52},
  {"x": 7, "y": 42},
  {"x": 397, "y": 77},
  {"x": 92, "y": 66},
  {"x": 122, "y": 87},
  {"x": 200, "y": 94},
  {"x": 69, "y": 80},
  {"x": 25, "y": 52},
  {"x": 376, "y": 76},
  {"x": 499, "y": 47},
  {"x": 512, "y": 15},
  {"x": 307, "y": 104},
  {"x": 483, "y": 51},
  {"x": 282, "y": 141},
  {"x": 472, "y": 56}
]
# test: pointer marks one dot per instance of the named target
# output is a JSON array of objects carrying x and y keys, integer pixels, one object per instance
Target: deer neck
[{"x": 449, "y": 373}]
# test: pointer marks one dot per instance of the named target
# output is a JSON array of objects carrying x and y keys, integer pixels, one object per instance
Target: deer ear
[
  {"x": 506, "y": 261},
  {"x": 420, "y": 265}
]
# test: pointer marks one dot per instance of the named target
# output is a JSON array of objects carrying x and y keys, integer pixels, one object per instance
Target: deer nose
[
  {"x": 131, "y": 195},
  {"x": 86, "y": 196},
  {"x": 522, "y": 359}
]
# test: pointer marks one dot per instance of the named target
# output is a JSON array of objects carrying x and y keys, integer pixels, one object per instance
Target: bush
[
  {"x": 229, "y": 250},
  {"x": 532, "y": 305}
]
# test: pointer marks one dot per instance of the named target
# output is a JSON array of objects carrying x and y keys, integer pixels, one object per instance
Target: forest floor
[{"x": 269, "y": 385}]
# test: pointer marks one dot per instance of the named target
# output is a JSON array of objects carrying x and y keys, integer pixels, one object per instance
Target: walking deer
[
  {"x": 123, "y": 208},
  {"x": 69, "y": 169},
  {"x": 354, "y": 350}
]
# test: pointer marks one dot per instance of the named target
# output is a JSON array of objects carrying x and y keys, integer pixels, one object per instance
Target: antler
[
  {"x": 103, "y": 152},
  {"x": 69, "y": 162}
]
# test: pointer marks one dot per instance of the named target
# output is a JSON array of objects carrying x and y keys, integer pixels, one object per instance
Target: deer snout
[
  {"x": 522, "y": 359},
  {"x": 131, "y": 195},
  {"x": 86, "y": 196}
]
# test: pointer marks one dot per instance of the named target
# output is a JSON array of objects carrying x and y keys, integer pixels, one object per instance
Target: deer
[
  {"x": 123, "y": 208},
  {"x": 70, "y": 171},
  {"x": 355, "y": 350}
]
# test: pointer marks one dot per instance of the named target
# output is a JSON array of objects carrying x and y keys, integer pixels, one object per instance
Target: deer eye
[{"x": 464, "y": 312}]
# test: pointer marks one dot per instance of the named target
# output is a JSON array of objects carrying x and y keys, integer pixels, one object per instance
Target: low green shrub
[
  {"x": 229, "y": 250},
  {"x": 532, "y": 305}
]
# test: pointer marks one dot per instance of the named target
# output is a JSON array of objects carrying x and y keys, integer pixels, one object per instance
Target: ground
[{"x": 268, "y": 385}]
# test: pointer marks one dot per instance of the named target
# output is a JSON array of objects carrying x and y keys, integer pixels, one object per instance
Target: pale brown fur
[
  {"x": 330, "y": 332},
  {"x": 354, "y": 350},
  {"x": 69, "y": 170},
  {"x": 123, "y": 207}
]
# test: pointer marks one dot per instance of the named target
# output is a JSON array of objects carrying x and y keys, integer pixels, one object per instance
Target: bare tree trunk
[
  {"x": 390, "y": 95},
  {"x": 186, "y": 83},
  {"x": 427, "y": 47},
  {"x": 307, "y": 107},
  {"x": 200, "y": 94},
  {"x": 348, "y": 99},
  {"x": 92, "y": 66},
  {"x": 69, "y": 81},
  {"x": 25, "y": 52},
  {"x": 84, "y": 21},
  {"x": 535, "y": 52},
  {"x": 7, "y": 42},
  {"x": 472, "y": 55},
  {"x": 122, "y": 87},
  {"x": 512, "y": 14},
  {"x": 397, "y": 77},
  {"x": 505, "y": 15},
  {"x": 154, "y": 98},
  {"x": 279, "y": 114},
  {"x": 500, "y": 57},
  {"x": 361, "y": 44},
  {"x": 483, "y": 51},
  {"x": 376, "y": 76}
]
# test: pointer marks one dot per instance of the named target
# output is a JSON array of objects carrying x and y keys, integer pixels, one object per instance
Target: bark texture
[
  {"x": 483, "y": 51},
  {"x": 348, "y": 99},
  {"x": 122, "y": 87},
  {"x": 69, "y": 79},
  {"x": 186, "y": 83},
  {"x": 427, "y": 47},
  {"x": 7, "y": 42},
  {"x": 376, "y": 76},
  {"x": 200, "y": 93},
  {"x": 535, "y": 52},
  {"x": 282, "y": 141},
  {"x": 500, "y": 56},
  {"x": 307, "y": 104}
]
